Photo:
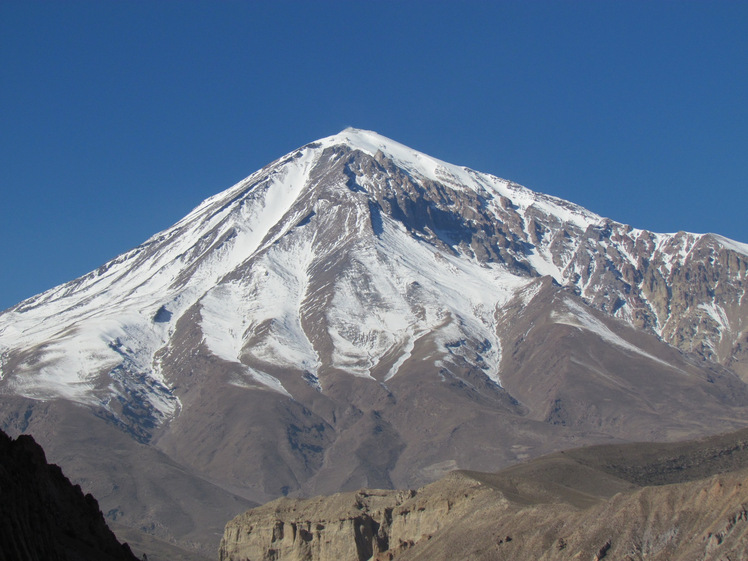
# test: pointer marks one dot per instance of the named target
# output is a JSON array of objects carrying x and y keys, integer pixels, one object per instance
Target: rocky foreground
[
  {"x": 624, "y": 502},
  {"x": 44, "y": 517}
]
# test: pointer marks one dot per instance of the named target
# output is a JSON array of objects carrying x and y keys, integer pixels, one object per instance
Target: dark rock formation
[{"x": 45, "y": 517}]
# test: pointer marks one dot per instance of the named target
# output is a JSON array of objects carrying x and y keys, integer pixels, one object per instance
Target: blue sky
[{"x": 118, "y": 118}]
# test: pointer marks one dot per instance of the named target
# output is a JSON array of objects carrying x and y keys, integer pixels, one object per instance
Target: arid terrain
[{"x": 679, "y": 501}]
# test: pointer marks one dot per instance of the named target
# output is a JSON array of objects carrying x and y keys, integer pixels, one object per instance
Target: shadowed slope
[{"x": 44, "y": 517}]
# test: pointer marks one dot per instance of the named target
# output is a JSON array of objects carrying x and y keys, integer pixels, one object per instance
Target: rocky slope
[
  {"x": 43, "y": 516},
  {"x": 684, "y": 501},
  {"x": 359, "y": 314}
]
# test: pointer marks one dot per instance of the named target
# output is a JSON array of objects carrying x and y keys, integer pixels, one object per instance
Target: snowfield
[{"x": 287, "y": 271}]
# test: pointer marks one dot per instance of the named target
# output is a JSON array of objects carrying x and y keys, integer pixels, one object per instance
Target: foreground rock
[
  {"x": 45, "y": 517},
  {"x": 655, "y": 502}
]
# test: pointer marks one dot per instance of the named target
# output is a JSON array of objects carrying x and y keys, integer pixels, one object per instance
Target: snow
[
  {"x": 222, "y": 322},
  {"x": 634, "y": 235},
  {"x": 674, "y": 249},
  {"x": 732, "y": 244},
  {"x": 371, "y": 314},
  {"x": 542, "y": 262},
  {"x": 270, "y": 296},
  {"x": 268, "y": 381},
  {"x": 405, "y": 354},
  {"x": 410, "y": 160},
  {"x": 718, "y": 315},
  {"x": 274, "y": 291},
  {"x": 526, "y": 199},
  {"x": 241, "y": 258},
  {"x": 173, "y": 269},
  {"x": 581, "y": 318},
  {"x": 529, "y": 292},
  {"x": 459, "y": 178}
]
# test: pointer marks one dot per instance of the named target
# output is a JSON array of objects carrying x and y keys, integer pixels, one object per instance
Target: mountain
[
  {"x": 45, "y": 517},
  {"x": 359, "y": 314},
  {"x": 634, "y": 501}
]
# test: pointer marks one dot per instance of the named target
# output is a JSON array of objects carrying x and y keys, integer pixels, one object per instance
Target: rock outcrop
[
  {"x": 633, "y": 502},
  {"x": 44, "y": 517},
  {"x": 361, "y": 525}
]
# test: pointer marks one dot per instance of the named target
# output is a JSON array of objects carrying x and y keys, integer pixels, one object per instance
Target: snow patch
[
  {"x": 412, "y": 161},
  {"x": 222, "y": 322},
  {"x": 528, "y": 293},
  {"x": 403, "y": 288},
  {"x": 582, "y": 319},
  {"x": 718, "y": 315},
  {"x": 738, "y": 247}
]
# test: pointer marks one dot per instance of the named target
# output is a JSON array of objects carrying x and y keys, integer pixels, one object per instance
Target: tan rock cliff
[{"x": 657, "y": 502}]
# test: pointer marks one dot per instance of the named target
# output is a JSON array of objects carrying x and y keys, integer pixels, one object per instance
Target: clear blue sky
[{"x": 117, "y": 118}]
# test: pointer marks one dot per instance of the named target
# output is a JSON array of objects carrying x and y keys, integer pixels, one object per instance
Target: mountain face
[{"x": 359, "y": 314}]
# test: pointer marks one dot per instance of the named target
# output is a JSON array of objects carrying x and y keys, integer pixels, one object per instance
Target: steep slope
[
  {"x": 43, "y": 516},
  {"x": 637, "y": 501},
  {"x": 332, "y": 231},
  {"x": 136, "y": 485},
  {"x": 358, "y": 314}
]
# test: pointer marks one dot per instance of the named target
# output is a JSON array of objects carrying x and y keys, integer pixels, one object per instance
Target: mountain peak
[
  {"x": 359, "y": 311},
  {"x": 411, "y": 160},
  {"x": 362, "y": 139}
]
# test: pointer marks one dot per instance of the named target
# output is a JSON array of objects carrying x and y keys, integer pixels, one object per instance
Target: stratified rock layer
[{"x": 634, "y": 502}]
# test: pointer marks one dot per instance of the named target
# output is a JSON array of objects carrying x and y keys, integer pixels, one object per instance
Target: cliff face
[
  {"x": 43, "y": 516},
  {"x": 362, "y": 525},
  {"x": 612, "y": 502}
]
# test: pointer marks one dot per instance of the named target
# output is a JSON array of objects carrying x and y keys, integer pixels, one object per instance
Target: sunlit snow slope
[{"x": 344, "y": 256}]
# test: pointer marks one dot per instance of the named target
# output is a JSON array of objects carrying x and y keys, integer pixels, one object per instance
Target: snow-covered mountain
[{"x": 359, "y": 313}]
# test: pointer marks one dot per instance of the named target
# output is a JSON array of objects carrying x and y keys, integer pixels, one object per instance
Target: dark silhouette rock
[{"x": 43, "y": 516}]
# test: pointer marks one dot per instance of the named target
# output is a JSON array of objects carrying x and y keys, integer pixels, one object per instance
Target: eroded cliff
[{"x": 611, "y": 502}]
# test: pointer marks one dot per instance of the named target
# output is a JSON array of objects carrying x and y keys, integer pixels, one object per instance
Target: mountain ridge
[
  {"x": 571, "y": 268},
  {"x": 357, "y": 313}
]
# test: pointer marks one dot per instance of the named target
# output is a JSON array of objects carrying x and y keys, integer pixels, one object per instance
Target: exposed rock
[
  {"x": 359, "y": 315},
  {"x": 366, "y": 524},
  {"x": 44, "y": 517},
  {"x": 592, "y": 503}
]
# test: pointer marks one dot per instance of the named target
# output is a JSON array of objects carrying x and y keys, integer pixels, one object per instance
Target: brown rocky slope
[{"x": 684, "y": 501}]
